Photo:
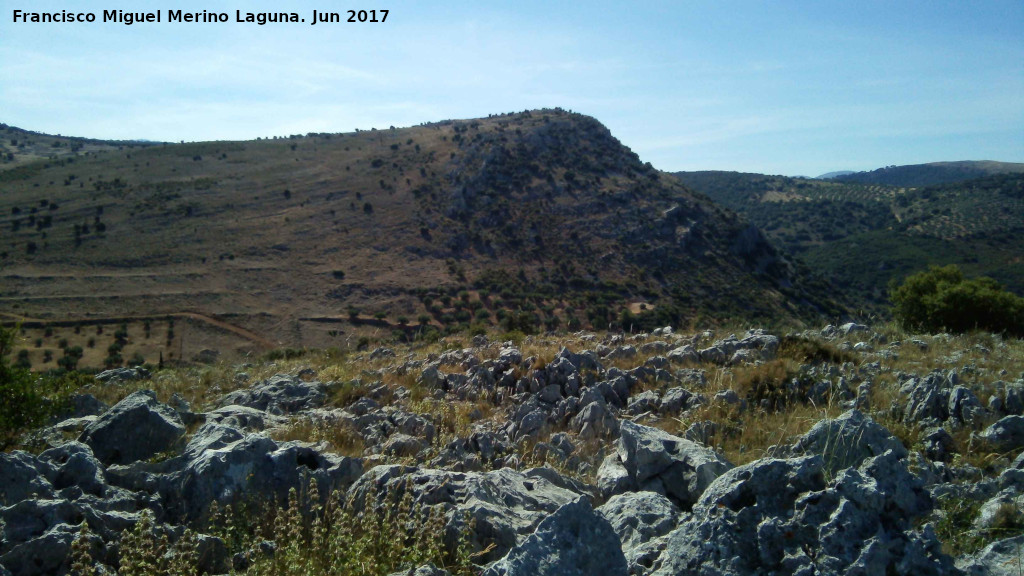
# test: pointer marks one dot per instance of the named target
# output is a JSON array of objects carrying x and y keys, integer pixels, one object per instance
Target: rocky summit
[{"x": 847, "y": 450}]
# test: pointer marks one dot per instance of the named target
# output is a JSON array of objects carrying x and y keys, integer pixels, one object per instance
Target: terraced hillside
[
  {"x": 863, "y": 235},
  {"x": 533, "y": 220}
]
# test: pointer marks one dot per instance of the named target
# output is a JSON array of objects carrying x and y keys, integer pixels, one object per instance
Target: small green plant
[{"x": 315, "y": 535}]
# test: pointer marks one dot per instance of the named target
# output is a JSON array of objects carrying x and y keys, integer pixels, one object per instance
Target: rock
[
  {"x": 666, "y": 464},
  {"x": 780, "y": 516},
  {"x": 206, "y": 356},
  {"x": 674, "y": 400},
  {"x": 1006, "y": 434},
  {"x": 646, "y": 401},
  {"x": 431, "y": 378},
  {"x": 280, "y": 394},
  {"x": 929, "y": 399},
  {"x": 136, "y": 428},
  {"x": 44, "y": 554},
  {"x": 257, "y": 464},
  {"x": 1013, "y": 400},
  {"x": 551, "y": 394},
  {"x": 938, "y": 445},
  {"x": 76, "y": 467},
  {"x": 594, "y": 421},
  {"x": 1002, "y": 558},
  {"x": 847, "y": 441},
  {"x": 506, "y": 505},
  {"x": 684, "y": 354},
  {"x": 621, "y": 353},
  {"x": 404, "y": 445},
  {"x": 382, "y": 353},
  {"x": 424, "y": 570},
  {"x": 123, "y": 375},
  {"x": 22, "y": 477},
  {"x": 640, "y": 520},
  {"x": 573, "y": 541},
  {"x": 964, "y": 407},
  {"x": 714, "y": 354},
  {"x": 851, "y": 328}
]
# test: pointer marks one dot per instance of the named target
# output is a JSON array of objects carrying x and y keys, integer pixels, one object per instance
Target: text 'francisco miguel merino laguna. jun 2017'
[{"x": 204, "y": 17}]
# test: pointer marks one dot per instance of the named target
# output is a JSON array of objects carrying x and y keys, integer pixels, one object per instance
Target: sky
[{"x": 794, "y": 88}]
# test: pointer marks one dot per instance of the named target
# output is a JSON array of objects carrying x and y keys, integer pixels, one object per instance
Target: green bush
[
  {"x": 942, "y": 299},
  {"x": 27, "y": 401}
]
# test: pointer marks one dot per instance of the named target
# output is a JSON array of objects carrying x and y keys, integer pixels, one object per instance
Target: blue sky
[{"x": 797, "y": 88}]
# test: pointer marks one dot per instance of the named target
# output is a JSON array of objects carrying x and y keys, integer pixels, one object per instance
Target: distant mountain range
[
  {"x": 861, "y": 236},
  {"x": 917, "y": 175}
]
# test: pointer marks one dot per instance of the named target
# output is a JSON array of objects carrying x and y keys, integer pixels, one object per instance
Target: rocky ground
[{"x": 846, "y": 450}]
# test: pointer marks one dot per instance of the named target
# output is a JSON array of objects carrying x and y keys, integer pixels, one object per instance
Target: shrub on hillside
[
  {"x": 942, "y": 299},
  {"x": 26, "y": 400}
]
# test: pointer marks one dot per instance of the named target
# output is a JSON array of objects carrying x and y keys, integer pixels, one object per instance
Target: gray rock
[
  {"x": 640, "y": 520},
  {"x": 646, "y": 401},
  {"x": 674, "y": 400},
  {"x": 404, "y": 445},
  {"x": 506, "y": 505},
  {"x": 851, "y": 328},
  {"x": 1002, "y": 558},
  {"x": 964, "y": 406},
  {"x": 929, "y": 399},
  {"x": 847, "y": 441},
  {"x": 666, "y": 464},
  {"x": 714, "y": 354},
  {"x": 44, "y": 554},
  {"x": 1013, "y": 398},
  {"x": 1006, "y": 434},
  {"x": 780, "y": 516},
  {"x": 123, "y": 375},
  {"x": 684, "y": 354},
  {"x": 22, "y": 477},
  {"x": 136, "y": 428},
  {"x": 280, "y": 394},
  {"x": 938, "y": 445},
  {"x": 424, "y": 570},
  {"x": 574, "y": 541},
  {"x": 76, "y": 467},
  {"x": 552, "y": 394},
  {"x": 595, "y": 421},
  {"x": 257, "y": 464}
]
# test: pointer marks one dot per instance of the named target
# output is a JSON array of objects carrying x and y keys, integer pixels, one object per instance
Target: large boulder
[
  {"x": 781, "y": 516},
  {"x": 280, "y": 394},
  {"x": 847, "y": 441},
  {"x": 1002, "y": 558},
  {"x": 640, "y": 520},
  {"x": 23, "y": 477},
  {"x": 136, "y": 428},
  {"x": 1006, "y": 434},
  {"x": 656, "y": 461},
  {"x": 505, "y": 505},
  {"x": 257, "y": 465},
  {"x": 574, "y": 541}
]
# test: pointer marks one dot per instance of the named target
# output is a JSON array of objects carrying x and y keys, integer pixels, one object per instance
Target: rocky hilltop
[
  {"x": 541, "y": 212},
  {"x": 847, "y": 450}
]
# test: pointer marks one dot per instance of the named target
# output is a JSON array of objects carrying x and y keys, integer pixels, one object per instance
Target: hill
[
  {"x": 534, "y": 220},
  {"x": 931, "y": 174},
  {"x": 861, "y": 236}
]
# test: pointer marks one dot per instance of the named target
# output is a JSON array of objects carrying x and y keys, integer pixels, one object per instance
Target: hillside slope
[
  {"x": 861, "y": 236},
  {"x": 932, "y": 173},
  {"x": 541, "y": 215}
]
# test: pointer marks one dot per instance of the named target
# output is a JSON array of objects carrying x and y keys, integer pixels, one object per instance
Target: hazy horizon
[{"x": 783, "y": 88}]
